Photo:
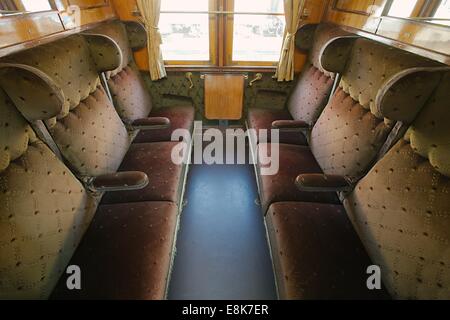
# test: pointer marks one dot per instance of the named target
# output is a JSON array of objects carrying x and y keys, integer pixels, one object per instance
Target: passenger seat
[
  {"x": 357, "y": 125},
  {"x": 88, "y": 132},
  {"x": 125, "y": 250},
  {"x": 399, "y": 210},
  {"x": 311, "y": 91},
  {"x": 128, "y": 89}
]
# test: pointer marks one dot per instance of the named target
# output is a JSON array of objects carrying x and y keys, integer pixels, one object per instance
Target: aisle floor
[{"x": 222, "y": 252}]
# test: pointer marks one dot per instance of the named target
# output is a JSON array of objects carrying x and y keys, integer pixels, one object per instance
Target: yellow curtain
[
  {"x": 293, "y": 11},
  {"x": 150, "y": 10}
]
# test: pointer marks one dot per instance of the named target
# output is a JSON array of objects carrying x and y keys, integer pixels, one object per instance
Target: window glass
[
  {"x": 402, "y": 8},
  {"x": 443, "y": 12},
  {"x": 36, "y": 5},
  {"x": 258, "y": 37},
  {"x": 185, "y": 35}
]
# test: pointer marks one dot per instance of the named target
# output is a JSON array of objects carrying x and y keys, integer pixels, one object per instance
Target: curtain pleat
[
  {"x": 293, "y": 11},
  {"x": 150, "y": 11}
]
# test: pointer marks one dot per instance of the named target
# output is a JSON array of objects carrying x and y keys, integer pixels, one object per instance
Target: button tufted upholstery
[
  {"x": 16, "y": 133},
  {"x": 130, "y": 94},
  {"x": 401, "y": 208},
  {"x": 181, "y": 117},
  {"x": 68, "y": 62},
  {"x": 44, "y": 213},
  {"x": 372, "y": 65},
  {"x": 311, "y": 91},
  {"x": 347, "y": 137},
  {"x": 45, "y": 210},
  {"x": 261, "y": 119},
  {"x": 126, "y": 253},
  {"x": 164, "y": 177},
  {"x": 351, "y": 130},
  {"x": 293, "y": 161},
  {"x": 317, "y": 253},
  {"x": 92, "y": 137}
]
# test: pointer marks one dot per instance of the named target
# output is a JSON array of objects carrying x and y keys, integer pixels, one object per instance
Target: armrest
[
  {"x": 151, "y": 123},
  {"x": 120, "y": 181},
  {"x": 323, "y": 183},
  {"x": 291, "y": 125}
]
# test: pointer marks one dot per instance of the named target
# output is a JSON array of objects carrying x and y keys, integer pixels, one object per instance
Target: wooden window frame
[
  {"x": 229, "y": 40},
  {"x": 221, "y": 31},
  {"x": 213, "y": 26}
]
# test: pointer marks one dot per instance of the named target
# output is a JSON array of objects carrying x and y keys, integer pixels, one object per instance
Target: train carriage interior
[{"x": 224, "y": 150}]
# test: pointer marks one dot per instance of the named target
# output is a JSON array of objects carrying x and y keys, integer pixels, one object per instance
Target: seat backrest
[
  {"x": 401, "y": 209},
  {"x": 128, "y": 90},
  {"x": 88, "y": 131},
  {"x": 44, "y": 209},
  {"x": 376, "y": 81},
  {"x": 313, "y": 88}
]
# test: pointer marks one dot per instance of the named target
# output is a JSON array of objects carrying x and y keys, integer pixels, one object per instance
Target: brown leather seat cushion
[
  {"x": 164, "y": 177},
  {"x": 181, "y": 117},
  {"x": 294, "y": 160},
  {"x": 125, "y": 254},
  {"x": 259, "y": 118},
  {"x": 317, "y": 254}
]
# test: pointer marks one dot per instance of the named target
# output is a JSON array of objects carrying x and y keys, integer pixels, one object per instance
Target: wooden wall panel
[
  {"x": 224, "y": 96},
  {"x": 26, "y": 30},
  {"x": 432, "y": 37},
  {"x": 86, "y": 4},
  {"x": 124, "y": 10},
  {"x": 91, "y": 11},
  {"x": 22, "y": 28},
  {"x": 360, "y": 6},
  {"x": 351, "y": 18}
]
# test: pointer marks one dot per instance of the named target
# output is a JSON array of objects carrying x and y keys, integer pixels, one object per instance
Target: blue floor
[{"x": 222, "y": 252}]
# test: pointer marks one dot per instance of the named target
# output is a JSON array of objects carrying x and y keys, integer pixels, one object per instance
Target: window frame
[
  {"x": 213, "y": 23},
  {"x": 221, "y": 32},
  {"x": 229, "y": 40}
]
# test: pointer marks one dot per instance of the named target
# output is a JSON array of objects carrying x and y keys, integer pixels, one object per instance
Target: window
[
  {"x": 402, "y": 8},
  {"x": 36, "y": 5},
  {"x": 222, "y": 32},
  {"x": 185, "y": 35},
  {"x": 443, "y": 12},
  {"x": 256, "y": 37}
]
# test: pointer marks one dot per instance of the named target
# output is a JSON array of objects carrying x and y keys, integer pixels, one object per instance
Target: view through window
[
  {"x": 443, "y": 12},
  {"x": 36, "y": 5},
  {"x": 402, "y": 9},
  {"x": 246, "y": 32},
  {"x": 258, "y": 37},
  {"x": 185, "y": 35}
]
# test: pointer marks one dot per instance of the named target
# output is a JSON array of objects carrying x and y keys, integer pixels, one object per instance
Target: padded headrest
[
  {"x": 405, "y": 94},
  {"x": 15, "y": 133},
  {"x": 70, "y": 64},
  {"x": 336, "y": 52},
  {"x": 304, "y": 38},
  {"x": 430, "y": 133},
  {"x": 128, "y": 35},
  {"x": 137, "y": 34},
  {"x": 326, "y": 33},
  {"x": 374, "y": 70},
  {"x": 105, "y": 52},
  {"x": 34, "y": 93}
]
